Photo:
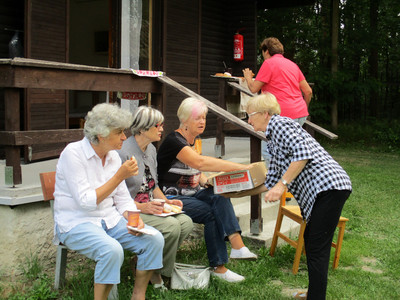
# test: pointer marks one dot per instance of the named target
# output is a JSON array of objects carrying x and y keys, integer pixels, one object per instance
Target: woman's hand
[
  {"x": 275, "y": 193},
  {"x": 151, "y": 207},
  {"x": 140, "y": 226},
  {"x": 248, "y": 74},
  {"x": 129, "y": 168},
  {"x": 175, "y": 202}
]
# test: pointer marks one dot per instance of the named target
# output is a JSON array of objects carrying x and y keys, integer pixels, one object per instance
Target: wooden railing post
[
  {"x": 256, "y": 220},
  {"x": 220, "y": 135},
  {"x": 12, "y": 122}
]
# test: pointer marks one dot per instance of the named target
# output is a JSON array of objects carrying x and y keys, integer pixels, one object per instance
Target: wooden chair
[
  {"x": 48, "y": 181},
  {"x": 293, "y": 212}
]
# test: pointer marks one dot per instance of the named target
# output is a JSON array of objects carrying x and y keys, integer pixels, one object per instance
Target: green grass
[{"x": 368, "y": 267}]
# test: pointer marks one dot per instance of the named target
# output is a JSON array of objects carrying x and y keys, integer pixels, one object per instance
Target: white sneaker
[
  {"x": 243, "y": 253},
  {"x": 229, "y": 276}
]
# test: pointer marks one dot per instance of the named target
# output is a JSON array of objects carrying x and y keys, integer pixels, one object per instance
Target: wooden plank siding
[
  {"x": 11, "y": 19},
  {"x": 47, "y": 39},
  {"x": 180, "y": 53}
]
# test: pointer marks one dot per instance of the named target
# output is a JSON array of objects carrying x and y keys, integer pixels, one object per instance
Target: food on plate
[
  {"x": 226, "y": 74},
  {"x": 175, "y": 208},
  {"x": 168, "y": 208}
]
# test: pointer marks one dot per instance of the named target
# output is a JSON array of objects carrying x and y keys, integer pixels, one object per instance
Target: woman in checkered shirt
[{"x": 317, "y": 181}]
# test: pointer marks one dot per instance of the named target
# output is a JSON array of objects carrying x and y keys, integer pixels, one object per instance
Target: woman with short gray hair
[
  {"x": 103, "y": 119},
  {"x": 92, "y": 203}
]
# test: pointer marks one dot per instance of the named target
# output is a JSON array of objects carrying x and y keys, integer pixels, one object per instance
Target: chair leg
[
  {"x": 342, "y": 226},
  {"x": 113, "y": 293},
  {"x": 61, "y": 265},
  {"x": 277, "y": 229},
  {"x": 299, "y": 248}
]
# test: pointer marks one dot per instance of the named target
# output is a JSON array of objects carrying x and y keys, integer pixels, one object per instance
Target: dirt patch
[{"x": 370, "y": 265}]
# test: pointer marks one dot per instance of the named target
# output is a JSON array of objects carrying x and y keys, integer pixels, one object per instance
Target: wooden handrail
[
  {"x": 308, "y": 123},
  {"x": 220, "y": 112}
]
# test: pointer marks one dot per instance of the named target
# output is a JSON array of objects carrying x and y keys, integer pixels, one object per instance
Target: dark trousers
[{"x": 318, "y": 239}]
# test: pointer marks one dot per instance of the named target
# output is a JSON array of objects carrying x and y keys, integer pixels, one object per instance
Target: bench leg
[
  {"x": 113, "y": 293},
  {"x": 61, "y": 265}
]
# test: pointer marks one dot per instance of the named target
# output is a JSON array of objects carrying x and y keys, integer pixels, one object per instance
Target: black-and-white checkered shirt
[{"x": 287, "y": 143}]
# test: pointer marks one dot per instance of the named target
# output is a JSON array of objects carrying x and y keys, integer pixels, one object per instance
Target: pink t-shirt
[{"x": 282, "y": 77}]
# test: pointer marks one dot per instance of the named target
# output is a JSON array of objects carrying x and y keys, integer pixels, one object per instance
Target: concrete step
[{"x": 269, "y": 214}]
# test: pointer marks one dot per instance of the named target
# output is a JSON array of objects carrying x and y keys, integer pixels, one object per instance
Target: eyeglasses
[
  {"x": 159, "y": 125},
  {"x": 253, "y": 113}
]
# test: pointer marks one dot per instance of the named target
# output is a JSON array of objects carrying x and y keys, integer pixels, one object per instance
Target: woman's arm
[
  {"x": 207, "y": 163},
  {"x": 254, "y": 85},
  {"x": 129, "y": 168},
  {"x": 306, "y": 90},
  {"x": 292, "y": 172}
]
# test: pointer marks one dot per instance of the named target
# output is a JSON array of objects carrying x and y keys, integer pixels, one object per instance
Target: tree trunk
[
  {"x": 334, "y": 59},
  {"x": 373, "y": 57}
]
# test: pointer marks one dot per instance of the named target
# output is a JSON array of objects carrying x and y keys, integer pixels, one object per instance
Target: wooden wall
[
  {"x": 46, "y": 39},
  {"x": 11, "y": 18},
  {"x": 197, "y": 38}
]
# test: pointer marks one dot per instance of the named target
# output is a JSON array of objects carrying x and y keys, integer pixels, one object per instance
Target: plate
[
  {"x": 143, "y": 230},
  {"x": 226, "y": 77},
  {"x": 169, "y": 214}
]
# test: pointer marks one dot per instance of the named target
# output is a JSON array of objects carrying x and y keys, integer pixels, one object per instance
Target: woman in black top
[{"x": 180, "y": 177}]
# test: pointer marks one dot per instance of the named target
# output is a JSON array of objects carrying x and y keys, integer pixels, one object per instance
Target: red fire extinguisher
[{"x": 238, "y": 52}]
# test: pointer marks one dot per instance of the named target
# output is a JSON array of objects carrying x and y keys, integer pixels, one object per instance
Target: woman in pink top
[{"x": 282, "y": 78}]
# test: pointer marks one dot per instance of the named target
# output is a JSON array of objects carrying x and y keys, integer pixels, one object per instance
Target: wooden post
[
  {"x": 256, "y": 220},
  {"x": 12, "y": 123},
  {"x": 220, "y": 135}
]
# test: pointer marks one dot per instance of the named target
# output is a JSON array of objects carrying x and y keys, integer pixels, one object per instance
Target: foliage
[{"x": 362, "y": 90}]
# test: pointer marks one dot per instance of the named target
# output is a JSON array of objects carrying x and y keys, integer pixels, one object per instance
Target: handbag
[{"x": 185, "y": 276}]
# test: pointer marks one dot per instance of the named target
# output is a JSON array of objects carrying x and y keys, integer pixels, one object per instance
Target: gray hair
[
  {"x": 190, "y": 106},
  {"x": 264, "y": 103},
  {"x": 103, "y": 119},
  {"x": 144, "y": 118}
]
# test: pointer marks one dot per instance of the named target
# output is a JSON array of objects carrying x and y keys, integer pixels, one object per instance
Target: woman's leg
[
  {"x": 148, "y": 249},
  {"x": 93, "y": 242},
  {"x": 201, "y": 212},
  {"x": 318, "y": 239},
  {"x": 174, "y": 230}
]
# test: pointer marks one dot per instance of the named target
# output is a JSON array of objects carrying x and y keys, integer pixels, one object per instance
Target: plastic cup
[{"x": 133, "y": 218}]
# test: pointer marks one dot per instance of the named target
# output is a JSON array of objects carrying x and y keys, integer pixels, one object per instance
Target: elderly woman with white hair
[
  {"x": 180, "y": 176},
  {"x": 146, "y": 128},
  {"x": 317, "y": 181},
  {"x": 92, "y": 203}
]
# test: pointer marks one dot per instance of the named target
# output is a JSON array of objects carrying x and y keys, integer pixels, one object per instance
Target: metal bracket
[
  {"x": 256, "y": 226},
  {"x": 9, "y": 175},
  {"x": 218, "y": 151}
]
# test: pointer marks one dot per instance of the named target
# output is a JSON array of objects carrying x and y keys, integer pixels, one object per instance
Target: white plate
[
  {"x": 168, "y": 214},
  {"x": 143, "y": 230}
]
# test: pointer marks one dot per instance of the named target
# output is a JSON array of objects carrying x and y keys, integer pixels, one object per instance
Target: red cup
[{"x": 133, "y": 218}]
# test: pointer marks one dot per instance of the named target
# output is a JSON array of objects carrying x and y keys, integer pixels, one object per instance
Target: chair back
[
  {"x": 48, "y": 181},
  {"x": 285, "y": 196}
]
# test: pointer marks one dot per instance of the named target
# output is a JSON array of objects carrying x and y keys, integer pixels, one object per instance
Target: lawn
[{"x": 368, "y": 267}]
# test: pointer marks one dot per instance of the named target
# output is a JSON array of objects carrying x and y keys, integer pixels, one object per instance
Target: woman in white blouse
[{"x": 92, "y": 201}]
